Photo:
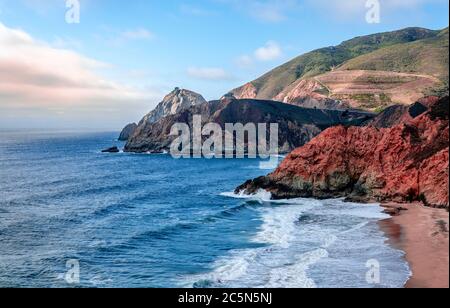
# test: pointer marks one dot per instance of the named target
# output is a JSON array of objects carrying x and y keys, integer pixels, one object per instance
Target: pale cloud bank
[
  {"x": 39, "y": 80},
  {"x": 138, "y": 34}
]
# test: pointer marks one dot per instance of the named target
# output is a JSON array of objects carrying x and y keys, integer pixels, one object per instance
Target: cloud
[
  {"x": 66, "y": 43},
  {"x": 116, "y": 38},
  {"x": 137, "y": 34},
  {"x": 209, "y": 73},
  {"x": 272, "y": 11},
  {"x": 269, "y": 52},
  {"x": 38, "y": 78}
]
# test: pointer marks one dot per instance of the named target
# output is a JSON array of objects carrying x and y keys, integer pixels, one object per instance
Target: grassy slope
[
  {"x": 428, "y": 56},
  {"x": 325, "y": 59}
]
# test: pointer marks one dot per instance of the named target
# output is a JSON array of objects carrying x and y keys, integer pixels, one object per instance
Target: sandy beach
[{"x": 423, "y": 234}]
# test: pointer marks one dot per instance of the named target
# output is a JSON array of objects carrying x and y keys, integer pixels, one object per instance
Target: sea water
[{"x": 136, "y": 220}]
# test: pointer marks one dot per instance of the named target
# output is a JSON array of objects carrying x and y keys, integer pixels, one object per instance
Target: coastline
[{"x": 423, "y": 234}]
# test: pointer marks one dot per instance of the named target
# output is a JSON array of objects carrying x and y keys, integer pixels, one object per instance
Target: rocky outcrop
[
  {"x": 398, "y": 114},
  {"x": 248, "y": 91},
  {"x": 407, "y": 162},
  {"x": 175, "y": 102},
  {"x": 111, "y": 150},
  {"x": 297, "y": 125},
  {"x": 155, "y": 137},
  {"x": 127, "y": 132}
]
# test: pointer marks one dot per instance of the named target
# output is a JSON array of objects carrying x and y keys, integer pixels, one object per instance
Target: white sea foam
[
  {"x": 356, "y": 228},
  {"x": 368, "y": 211},
  {"x": 261, "y": 196},
  {"x": 278, "y": 230},
  {"x": 265, "y": 196},
  {"x": 295, "y": 275},
  {"x": 297, "y": 249},
  {"x": 279, "y": 226}
]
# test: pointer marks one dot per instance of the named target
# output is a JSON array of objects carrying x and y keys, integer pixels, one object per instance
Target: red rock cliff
[{"x": 407, "y": 162}]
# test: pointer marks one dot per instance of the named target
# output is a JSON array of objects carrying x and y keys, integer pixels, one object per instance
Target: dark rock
[
  {"x": 297, "y": 125},
  {"x": 111, "y": 150},
  {"x": 392, "y": 211},
  {"x": 399, "y": 114}
]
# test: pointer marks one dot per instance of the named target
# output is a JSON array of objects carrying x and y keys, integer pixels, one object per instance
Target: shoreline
[{"x": 423, "y": 234}]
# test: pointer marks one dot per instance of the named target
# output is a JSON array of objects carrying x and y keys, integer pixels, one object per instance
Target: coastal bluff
[{"x": 404, "y": 163}]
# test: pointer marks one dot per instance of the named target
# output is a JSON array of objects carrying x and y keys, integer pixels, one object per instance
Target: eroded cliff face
[
  {"x": 248, "y": 91},
  {"x": 407, "y": 162},
  {"x": 297, "y": 126}
]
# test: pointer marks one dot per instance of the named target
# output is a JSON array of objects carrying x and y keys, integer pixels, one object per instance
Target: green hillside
[
  {"x": 427, "y": 56},
  {"x": 390, "y": 50}
]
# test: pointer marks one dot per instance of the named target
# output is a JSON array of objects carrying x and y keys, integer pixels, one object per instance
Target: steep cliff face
[
  {"x": 176, "y": 101},
  {"x": 408, "y": 162},
  {"x": 297, "y": 125},
  {"x": 155, "y": 137},
  {"x": 127, "y": 132},
  {"x": 247, "y": 91}
]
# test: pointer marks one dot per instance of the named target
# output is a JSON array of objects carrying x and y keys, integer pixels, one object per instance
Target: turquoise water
[{"x": 151, "y": 221}]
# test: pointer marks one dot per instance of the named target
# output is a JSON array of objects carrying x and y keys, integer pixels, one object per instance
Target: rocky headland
[
  {"x": 297, "y": 126},
  {"x": 403, "y": 163}
]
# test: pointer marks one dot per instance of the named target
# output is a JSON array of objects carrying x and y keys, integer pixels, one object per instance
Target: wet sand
[{"x": 423, "y": 234}]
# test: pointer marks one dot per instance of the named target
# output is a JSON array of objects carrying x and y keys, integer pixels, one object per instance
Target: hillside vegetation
[
  {"x": 420, "y": 52},
  {"x": 428, "y": 56}
]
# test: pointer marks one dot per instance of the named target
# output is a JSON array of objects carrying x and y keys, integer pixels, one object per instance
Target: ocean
[{"x": 136, "y": 220}]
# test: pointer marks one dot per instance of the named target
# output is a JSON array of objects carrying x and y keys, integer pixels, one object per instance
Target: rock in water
[
  {"x": 111, "y": 150},
  {"x": 127, "y": 132},
  {"x": 407, "y": 162}
]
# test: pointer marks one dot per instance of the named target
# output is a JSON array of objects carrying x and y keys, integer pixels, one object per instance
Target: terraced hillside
[{"x": 370, "y": 72}]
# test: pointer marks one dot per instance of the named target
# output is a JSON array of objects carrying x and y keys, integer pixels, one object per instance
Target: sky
[{"x": 122, "y": 57}]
